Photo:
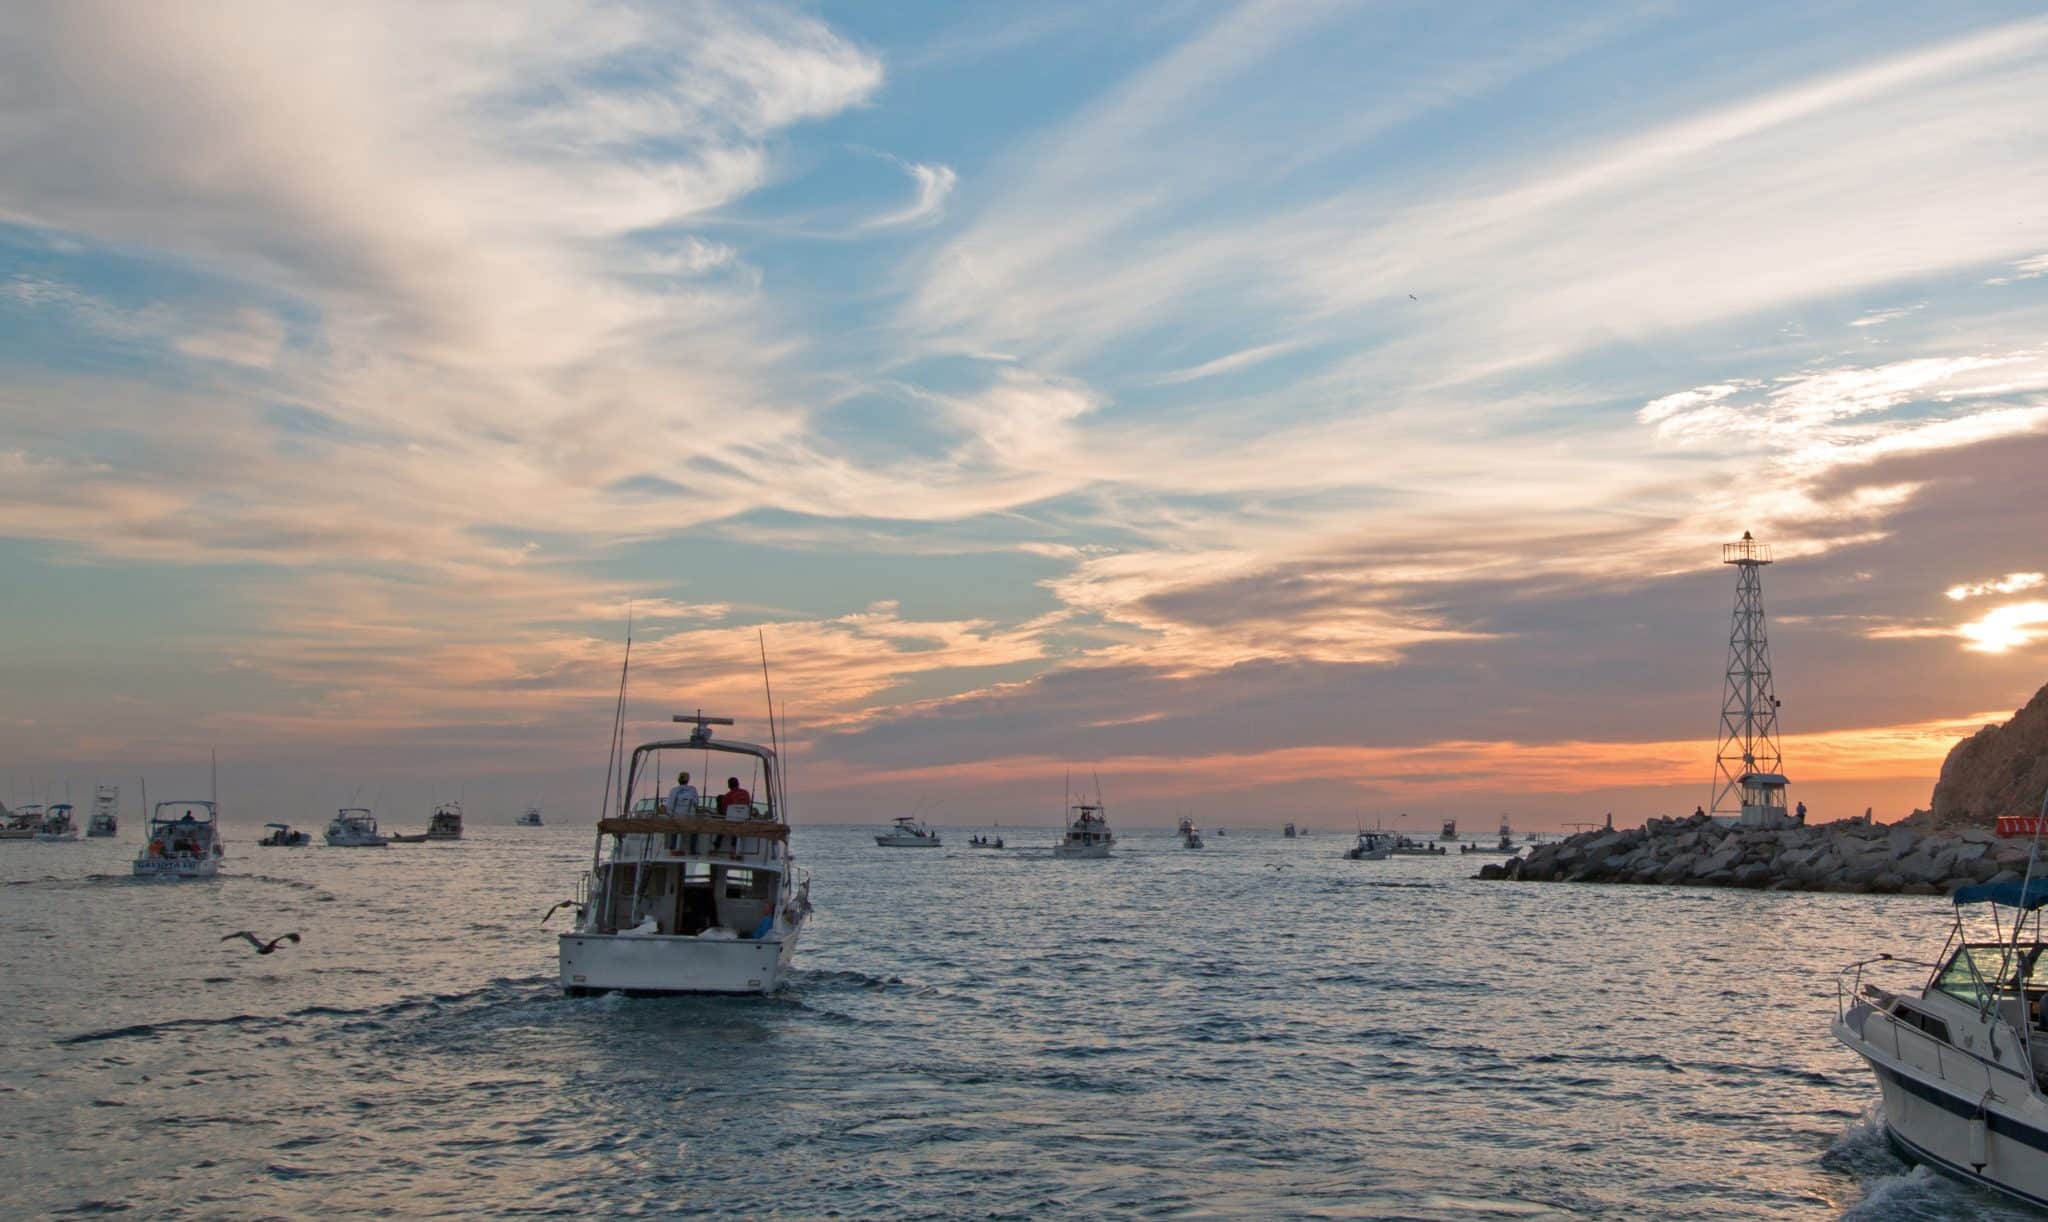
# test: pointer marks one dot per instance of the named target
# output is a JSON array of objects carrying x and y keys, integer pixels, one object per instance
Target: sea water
[{"x": 1259, "y": 1028}]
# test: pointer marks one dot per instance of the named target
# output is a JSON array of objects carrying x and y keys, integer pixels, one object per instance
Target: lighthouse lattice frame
[{"x": 1749, "y": 706}]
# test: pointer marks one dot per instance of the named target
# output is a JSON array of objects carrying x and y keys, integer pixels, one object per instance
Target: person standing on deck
[{"x": 682, "y": 800}]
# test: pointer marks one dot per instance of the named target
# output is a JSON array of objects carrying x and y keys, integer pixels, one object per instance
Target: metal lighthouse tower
[{"x": 1747, "y": 780}]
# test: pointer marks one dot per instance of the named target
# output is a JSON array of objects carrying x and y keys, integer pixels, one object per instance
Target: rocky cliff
[{"x": 1999, "y": 770}]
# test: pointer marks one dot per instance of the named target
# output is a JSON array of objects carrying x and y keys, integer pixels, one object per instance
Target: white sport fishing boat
[
  {"x": 1371, "y": 846},
  {"x": 23, "y": 822},
  {"x": 907, "y": 833},
  {"x": 106, "y": 812},
  {"x": 184, "y": 842},
  {"x": 1190, "y": 835},
  {"x": 1962, "y": 1061},
  {"x": 1405, "y": 847},
  {"x": 58, "y": 824},
  {"x": 446, "y": 824},
  {"x": 706, "y": 900},
  {"x": 1088, "y": 833},
  {"x": 353, "y": 827},
  {"x": 530, "y": 817}
]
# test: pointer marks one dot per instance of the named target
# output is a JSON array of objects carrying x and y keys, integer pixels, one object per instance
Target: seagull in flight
[{"x": 262, "y": 947}]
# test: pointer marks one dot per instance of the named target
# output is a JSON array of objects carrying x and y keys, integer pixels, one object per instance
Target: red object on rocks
[{"x": 2018, "y": 825}]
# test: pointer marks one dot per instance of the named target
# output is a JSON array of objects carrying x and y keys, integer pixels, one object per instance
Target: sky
[{"x": 1266, "y": 411}]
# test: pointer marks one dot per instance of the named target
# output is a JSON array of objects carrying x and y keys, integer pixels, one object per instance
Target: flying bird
[
  {"x": 262, "y": 947},
  {"x": 1413, "y": 297}
]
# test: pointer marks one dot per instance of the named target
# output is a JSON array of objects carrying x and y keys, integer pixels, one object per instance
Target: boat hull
[
  {"x": 177, "y": 867},
  {"x": 1956, "y": 1116},
  {"x": 354, "y": 842},
  {"x": 1081, "y": 852},
  {"x": 56, "y": 837},
  {"x": 654, "y": 966},
  {"x": 907, "y": 842}
]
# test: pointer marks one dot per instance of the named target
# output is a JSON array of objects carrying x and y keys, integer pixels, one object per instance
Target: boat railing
[{"x": 1850, "y": 986}]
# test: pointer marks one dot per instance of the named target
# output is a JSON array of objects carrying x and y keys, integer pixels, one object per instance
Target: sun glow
[{"x": 2006, "y": 627}]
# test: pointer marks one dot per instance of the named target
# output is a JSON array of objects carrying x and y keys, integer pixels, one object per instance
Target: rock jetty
[{"x": 1851, "y": 856}]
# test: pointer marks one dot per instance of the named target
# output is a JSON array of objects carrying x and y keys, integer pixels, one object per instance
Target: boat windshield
[
  {"x": 178, "y": 812},
  {"x": 1979, "y": 972}
]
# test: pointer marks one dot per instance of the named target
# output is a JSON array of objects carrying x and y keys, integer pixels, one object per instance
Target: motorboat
[
  {"x": 1221, "y": 832},
  {"x": 23, "y": 822},
  {"x": 907, "y": 833},
  {"x": 1404, "y": 846},
  {"x": 281, "y": 836},
  {"x": 1088, "y": 833},
  {"x": 354, "y": 827},
  {"x": 530, "y": 817},
  {"x": 1506, "y": 843},
  {"x": 57, "y": 824},
  {"x": 1962, "y": 1059},
  {"x": 693, "y": 901},
  {"x": 106, "y": 812},
  {"x": 1371, "y": 846},
  {"x": 1288, "y": 831},
  {"x": 445, "y": 824},
  {"x": 183, "y": 842},
  {"x": 984, "y": 842},
  {"x": 1190, "y": 835}
]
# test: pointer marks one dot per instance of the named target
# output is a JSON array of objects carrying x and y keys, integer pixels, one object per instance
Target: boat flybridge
[
  {"x": 184, "y": 842},
  {"x": 57, "y": 823},
  {"x": 1088, "y": 833},
  {"x": 908, "y": 833},
  {"x": 1190, "y": 835},
  {"x": 705, "y": 899},
  {"x": 1962, "y": 1061},
  {"x": 106, "y": 812},
  {"x": 446, "y": 824},
  {"x": 354, "y": 827}
]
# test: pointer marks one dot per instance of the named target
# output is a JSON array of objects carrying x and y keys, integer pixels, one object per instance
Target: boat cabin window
[{"x": 1925, "y": 1022}]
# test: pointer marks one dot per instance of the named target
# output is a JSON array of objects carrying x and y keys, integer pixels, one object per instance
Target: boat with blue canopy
[{"x": 1962, "y": 1059}]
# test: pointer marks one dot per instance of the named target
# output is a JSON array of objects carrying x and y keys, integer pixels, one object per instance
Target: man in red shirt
[{"x": 734, "y": 796}]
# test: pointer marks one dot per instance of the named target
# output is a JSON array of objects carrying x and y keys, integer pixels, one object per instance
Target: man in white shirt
[{"x": 682, "y": 800}]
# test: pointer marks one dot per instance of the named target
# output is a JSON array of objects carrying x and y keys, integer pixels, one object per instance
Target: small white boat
[
  {"x": 694, "y": 902},
  {"x": 281, "y": 836},
  {"x": 57, "y": 824},
  {"x": 184, "y": 842},
  {"x": 354, "y": 827},
  {"x": 1371, "y": 846},
  {"x": 23, "y": 822},
  {"x": 530, "y": 817},
  {"x": 1088, "y": 834},
  {"x": 1506, "y": 843},
  {"x": 984, "y": 842},
  {"x": 445, "y": 824},
  {"x": 1190, "y": 835},
  {"x": 907, "y": 833},
  {"x": 1406, "y": 847},
  {"x": 106, "y": 812},
  {"x": 1962, "y": 1059}
]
